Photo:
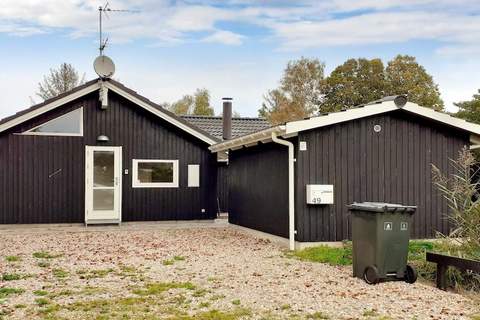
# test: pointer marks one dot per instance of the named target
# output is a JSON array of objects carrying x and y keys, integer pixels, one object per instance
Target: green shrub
[{"x": 460, "y": 189}]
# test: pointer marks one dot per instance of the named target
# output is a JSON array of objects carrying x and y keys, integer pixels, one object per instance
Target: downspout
[{"x": 291, "y": 190}]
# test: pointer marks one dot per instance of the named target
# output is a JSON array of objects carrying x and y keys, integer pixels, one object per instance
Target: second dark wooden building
[{"x": 380, "y": 152}]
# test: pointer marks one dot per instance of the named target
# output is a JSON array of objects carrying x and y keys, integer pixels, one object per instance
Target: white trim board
[
  {"x": 96, "y": 86},
  {"x": 49, "y": 106}
]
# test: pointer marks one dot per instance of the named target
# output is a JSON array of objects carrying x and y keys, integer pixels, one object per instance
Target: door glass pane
[
  {"x": 149, "y": 172},
  {"x": 103, "y": 168},
  {"x": 103, "y": 199}
]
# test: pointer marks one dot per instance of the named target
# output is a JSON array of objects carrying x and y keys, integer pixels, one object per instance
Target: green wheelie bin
[{"x": 380, "y": 235}]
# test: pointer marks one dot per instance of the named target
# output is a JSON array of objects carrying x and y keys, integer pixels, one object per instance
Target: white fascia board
[
  {"x": 338, "y": 117},
  {"x": 160, "y": 114},
  {"x": 442, "y": 117},
  {"x": 50, "y": 106},
  {"x": 374, "y": 109},
  {"x": 247, "y": 140}
]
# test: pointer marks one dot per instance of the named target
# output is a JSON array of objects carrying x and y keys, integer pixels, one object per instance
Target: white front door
[{"x": 103, "y": 184}]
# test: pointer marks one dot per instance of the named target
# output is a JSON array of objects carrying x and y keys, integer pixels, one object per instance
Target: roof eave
[{"x": 247, "y": 140}]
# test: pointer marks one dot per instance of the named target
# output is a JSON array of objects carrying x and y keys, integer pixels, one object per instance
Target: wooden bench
[{"x": 444, "y": 261}]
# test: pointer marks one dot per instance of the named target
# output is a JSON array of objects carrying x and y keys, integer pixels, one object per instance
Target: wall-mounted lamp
[{"x": 103, "y": 138}]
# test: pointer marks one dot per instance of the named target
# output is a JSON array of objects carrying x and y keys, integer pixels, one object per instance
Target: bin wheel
[
  {"x": 410, "y": 274},
  {"x": 371, "y": 275}
]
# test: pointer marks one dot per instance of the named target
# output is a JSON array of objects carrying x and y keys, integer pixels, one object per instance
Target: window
[
  {"x": 194, "y": 175},
  {"x": 155, "y": 174},
  {"x": 70, "y": 124}
]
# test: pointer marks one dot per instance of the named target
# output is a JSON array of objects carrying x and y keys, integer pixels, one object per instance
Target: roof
[
  {"x": 116, "y": 87},
  {"x": 376, "y": 107},
  {"x": 240, "y": 126}
]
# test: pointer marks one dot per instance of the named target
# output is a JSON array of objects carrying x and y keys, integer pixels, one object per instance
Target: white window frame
[
  {"x": 137, "y": 184},
  {"x": 61, "y": 134},
  {"x": 193, "y": 175}
]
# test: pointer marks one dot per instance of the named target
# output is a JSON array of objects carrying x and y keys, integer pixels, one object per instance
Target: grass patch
[
  {"x": 236, "y": 302},
  {"x": 158, "y": 288},
  {"x": 60, "y": 273},
  {"x": 318, "y": 316},
  {"x": 40, "y": 293},
  {"x": 42, "y": 301},
  {"x": 199, "y": 293},
  {"x": 101, "y": 273},
  {"x": 140, "y": 307},
  {"x": 370, "y": 313},
  {"x": 12, "y": 276},
  {"x": 5, "y": 292},
  {"x": 217, "y": 297},
  {"x": 20, "y": 306},
  {"x": 43, "y": 264},
  {"x": 13, "y": 258},
  {"x": 178, "y": 258},
  {"x": 204, "y": 304},
  {"x": 46, "y": 255},
  {"x": 285, "y": 307},
  {"x": 239, "y": 313},
  {"x": 324, "y": 254},
  {"x": 168, "y": 262}
]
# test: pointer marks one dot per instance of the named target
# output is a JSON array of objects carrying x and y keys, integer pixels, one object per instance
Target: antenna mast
[{"x": 103, "y": 11}]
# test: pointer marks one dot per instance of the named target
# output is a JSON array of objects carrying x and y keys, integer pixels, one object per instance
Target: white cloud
[
  {"x": 225, "y": 37},
  {"x": 297, "y": 25},
  {"x": 379, "y": 27}
]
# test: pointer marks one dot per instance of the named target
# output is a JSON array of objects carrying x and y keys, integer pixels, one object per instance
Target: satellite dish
[{"x": 104, "y": 66}]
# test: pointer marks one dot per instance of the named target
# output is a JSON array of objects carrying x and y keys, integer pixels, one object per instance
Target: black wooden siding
[
  {"x": 391, "y": 166},
  {"x": 258, "y": 188},
  {"x": 30, "y": 195},
  {"x": 222, "y": 187}
]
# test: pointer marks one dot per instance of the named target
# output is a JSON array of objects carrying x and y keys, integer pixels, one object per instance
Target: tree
[
  {"x": 404, "y": 75},
  {"x": 196, "y": 104},
  {"x": 355, "y": 82},
  {"x": 469, "y": 110},
  {"x": 299, "y": 93},
  {"x": 182, "y": 106},
  {"x": 60, "y": 80},
  {"x": 202, "y": 103}
]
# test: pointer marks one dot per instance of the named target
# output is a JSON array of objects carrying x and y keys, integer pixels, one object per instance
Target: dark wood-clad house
[
  {"x": 296, "y": 180},
  {"x": 102, "y": 153}
]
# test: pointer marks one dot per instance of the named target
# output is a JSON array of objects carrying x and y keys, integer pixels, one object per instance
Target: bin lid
[{"x": 381, "y": 207}]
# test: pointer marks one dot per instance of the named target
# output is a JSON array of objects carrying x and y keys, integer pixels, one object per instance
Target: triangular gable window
[{"x": 69, "y": 124}]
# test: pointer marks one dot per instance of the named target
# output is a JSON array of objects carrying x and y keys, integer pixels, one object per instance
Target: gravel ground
[{"x": 230, "y": 270}]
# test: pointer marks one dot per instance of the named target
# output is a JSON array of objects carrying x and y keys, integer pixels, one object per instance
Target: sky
[{"x": 235, "y": 48}]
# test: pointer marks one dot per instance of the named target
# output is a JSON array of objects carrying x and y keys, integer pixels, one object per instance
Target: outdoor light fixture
[{"x": 103, "y": 138}]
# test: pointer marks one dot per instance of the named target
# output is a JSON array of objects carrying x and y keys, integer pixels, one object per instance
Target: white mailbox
[{"x": 319, "y": 193}]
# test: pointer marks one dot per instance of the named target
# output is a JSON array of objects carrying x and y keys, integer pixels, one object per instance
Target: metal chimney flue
[{"x": 227, "y": 118}]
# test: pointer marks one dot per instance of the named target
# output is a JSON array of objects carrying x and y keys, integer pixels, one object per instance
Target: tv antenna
[{"x": 104, "y": 11}]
